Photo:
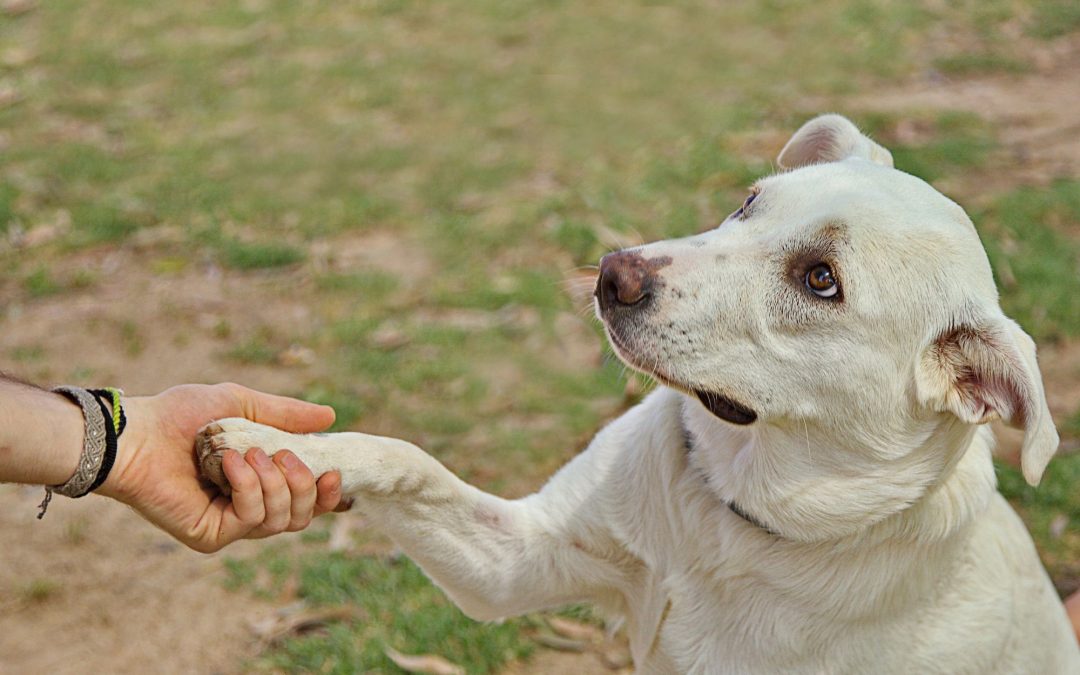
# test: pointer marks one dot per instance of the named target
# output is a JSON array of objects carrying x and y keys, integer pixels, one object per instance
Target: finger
[
  {"x": 328, "y": 493},
  {"x": 247, "y": 492},
  {"x": 275, "y": 491},
  {"x": 301, "y": 484},
  {"x": 282, "y": 412}
]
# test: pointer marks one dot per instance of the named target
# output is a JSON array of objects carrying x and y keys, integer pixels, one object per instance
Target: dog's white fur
[{"x": 881, "y": 544}]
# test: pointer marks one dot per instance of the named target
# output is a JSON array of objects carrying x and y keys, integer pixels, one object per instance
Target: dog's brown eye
[{"x": 821, "y": 282}]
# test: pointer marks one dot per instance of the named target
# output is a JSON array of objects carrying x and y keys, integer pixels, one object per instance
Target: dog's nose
[{"x": 626, "y": 278}]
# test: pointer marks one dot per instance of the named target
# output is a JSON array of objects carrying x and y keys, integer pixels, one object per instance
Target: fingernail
[
  {"x": 289, "y": 461},
  {"x": 260, "y": 457}
]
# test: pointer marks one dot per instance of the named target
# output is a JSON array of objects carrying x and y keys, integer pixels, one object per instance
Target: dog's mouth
[
  {"x": 718, "y": 404},
  {"x": 725, "y": 408}
]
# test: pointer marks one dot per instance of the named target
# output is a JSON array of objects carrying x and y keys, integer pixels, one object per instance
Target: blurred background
[{"x": 392, "y": 207}]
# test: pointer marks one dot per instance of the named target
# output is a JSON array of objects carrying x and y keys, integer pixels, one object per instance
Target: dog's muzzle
[{"x": 627, "y": 285}]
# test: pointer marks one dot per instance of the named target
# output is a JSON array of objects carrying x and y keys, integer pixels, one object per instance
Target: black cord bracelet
[{"x": 111, "y": 438}]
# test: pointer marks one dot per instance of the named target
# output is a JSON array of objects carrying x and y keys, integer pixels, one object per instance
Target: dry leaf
[
  {"x": 289, "y": 589},
  {"x": 616, "y": 657},
  {"x": 575, "y": 630},
  {"x": 297, "y": 355},
  {"x": 1058, "y": 525},
  {"x": 560, "y": 643},
  {"x": 388, "y": 337},
  {"x": 428, "y": 664},
  {"x": 298, "y": 618}
]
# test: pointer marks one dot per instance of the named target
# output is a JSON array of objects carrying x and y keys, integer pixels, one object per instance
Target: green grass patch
[
  {"x": 101, "y": 222},
  {"x": 349, "y": 406},
  {"x": 1056, "y": 493},
  {"x": 27, "y": 353},
  {"x": 977, "y": 63},
  {"x": 239, "y": 573},
  {"x": 402, "y": 610},
  {"x": 1037, "y": 265},
  {"x": 580, "y": 240},
  {"x": 368, "y": 286},
  {"x": 8, "y": 194},
  {"x": 256, "y": 350},
  {"x": 258, "y": 255},
  {"x": 1072, "y": 424},
  {"x": 40, "y": 283},
  {"x": 40, "y": 590},
  {"x": 43, "y": 283},
  {"x": 481, "y": 290},
  {"x": 1054, "y": 18},
  {"x": 957, "y": 141}
]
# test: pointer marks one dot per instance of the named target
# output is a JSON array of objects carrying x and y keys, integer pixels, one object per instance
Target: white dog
[{"x": 812, "y": 490}]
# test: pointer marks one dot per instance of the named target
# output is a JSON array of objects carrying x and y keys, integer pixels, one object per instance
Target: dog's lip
[{"x": 718, "y": 404}]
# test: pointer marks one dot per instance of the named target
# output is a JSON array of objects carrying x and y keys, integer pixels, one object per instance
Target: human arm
[{"x": 41, "y": 435}]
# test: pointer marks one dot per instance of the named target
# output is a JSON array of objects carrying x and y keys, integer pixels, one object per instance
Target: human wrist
[{"x": 121, "y": 481}]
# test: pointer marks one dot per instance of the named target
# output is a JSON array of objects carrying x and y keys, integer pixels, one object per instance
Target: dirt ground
[{"x": 92, "y": 588}]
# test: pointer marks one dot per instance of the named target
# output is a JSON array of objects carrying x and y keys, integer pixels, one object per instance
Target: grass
[
  {"x": 256, "y": 350},
  {"x": 503, "y": 146},
  {"x": 367, "y": 284},
  {"x": 1072, "y": 425},
  {"x": 1038, "y": 267},
  {"x": 41, "y": 590},
  {"x": 948, "y": 142},
  {"x": 980, "y": 62},
  {"x": 1052, "y": 514},
  {"x": 1054, "y": 18},
  {"x": 40, "y": 283},
  {"x": 8, "y": 193},
  {"x": 346, "y": 403},
  {"x": 254, "y": 256},
  {"x": 400, "y": 609}
]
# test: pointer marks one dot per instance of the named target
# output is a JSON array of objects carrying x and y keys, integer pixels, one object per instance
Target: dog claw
[{"x": 208, "y": 453}]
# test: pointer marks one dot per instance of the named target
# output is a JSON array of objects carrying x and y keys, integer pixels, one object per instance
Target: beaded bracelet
[{"x": 103, "y": 429}]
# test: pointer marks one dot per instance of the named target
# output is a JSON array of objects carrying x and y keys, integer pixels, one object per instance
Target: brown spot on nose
[{"x": 627, "y": 278}]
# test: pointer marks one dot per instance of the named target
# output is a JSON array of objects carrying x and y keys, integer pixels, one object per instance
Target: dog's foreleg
[{"x": 494, "y": 557}]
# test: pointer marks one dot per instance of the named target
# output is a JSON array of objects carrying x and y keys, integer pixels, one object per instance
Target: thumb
[{"x": 288, "y": 414}]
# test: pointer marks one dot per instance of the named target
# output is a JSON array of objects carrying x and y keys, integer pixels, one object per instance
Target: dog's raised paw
[{"x": 209, "y": 446}]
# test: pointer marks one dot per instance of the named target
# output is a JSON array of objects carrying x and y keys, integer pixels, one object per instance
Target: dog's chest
[
  {"x": 738, "y": 604},
  {"x": 729, "y": 615}
]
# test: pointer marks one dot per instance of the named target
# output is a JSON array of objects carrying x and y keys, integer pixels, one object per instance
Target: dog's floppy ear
[
  {"x": 986, "y": 370},
  {"x": 830, "y": 138}
]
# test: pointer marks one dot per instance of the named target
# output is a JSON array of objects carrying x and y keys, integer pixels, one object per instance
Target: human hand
[{"x": 156, "y": 472}]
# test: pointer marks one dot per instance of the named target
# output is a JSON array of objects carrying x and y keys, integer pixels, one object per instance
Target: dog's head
[{"x": 843, "y": 296}]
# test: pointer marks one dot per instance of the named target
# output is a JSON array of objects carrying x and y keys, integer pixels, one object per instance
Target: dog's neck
[
  {"x": 691, "y": 443},
  {"x": 801, "y": 484}
]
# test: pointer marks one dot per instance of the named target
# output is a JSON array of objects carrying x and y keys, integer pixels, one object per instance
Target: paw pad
[{"x": 209, "y": 446}]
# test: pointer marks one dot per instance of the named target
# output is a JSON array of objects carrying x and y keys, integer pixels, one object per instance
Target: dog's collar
[{"x": 688, "y": 440}]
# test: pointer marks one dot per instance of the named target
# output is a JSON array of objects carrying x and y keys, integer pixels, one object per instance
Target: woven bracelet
[{"x": 103, "y": 429}]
